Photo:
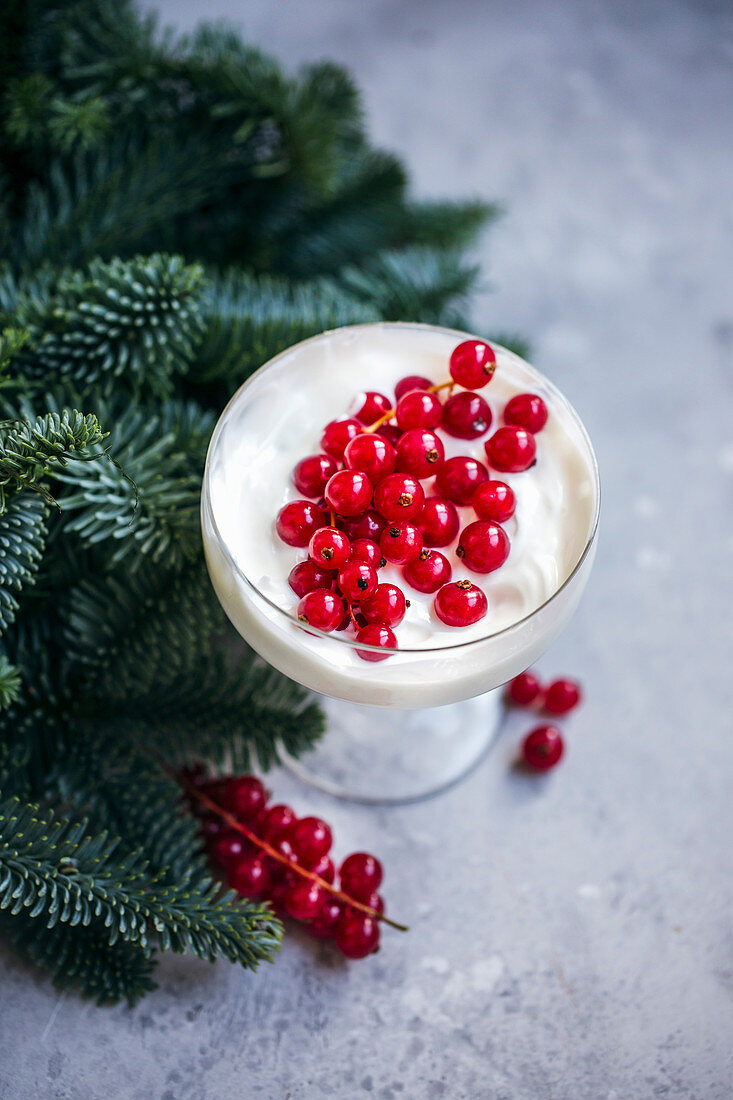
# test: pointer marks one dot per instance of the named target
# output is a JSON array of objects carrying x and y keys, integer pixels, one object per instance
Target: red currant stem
[
  {"x": 354, "y": 623},
  {"x": 233, "y": 823},
  {"x": 391, "y": 412}
]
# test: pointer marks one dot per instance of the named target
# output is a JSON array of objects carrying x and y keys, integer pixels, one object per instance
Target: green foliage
[
  {"x": 33, "y": 449},
  {"x": 22, "y": 539}
]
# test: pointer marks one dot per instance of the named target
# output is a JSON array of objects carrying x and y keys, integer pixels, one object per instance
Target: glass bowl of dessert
[{"x": 401, "y": 518}]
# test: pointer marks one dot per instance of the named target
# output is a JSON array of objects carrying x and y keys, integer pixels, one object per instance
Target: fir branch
[
  {"x": 11, "y": 341},
  {"x": 9, "y": 683},
  {"x": 31, "y": 450},
  {"x": 22, "y": 536}
]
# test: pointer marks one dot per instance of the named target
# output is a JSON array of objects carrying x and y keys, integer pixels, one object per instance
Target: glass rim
[{"x": 351, "y": 643}]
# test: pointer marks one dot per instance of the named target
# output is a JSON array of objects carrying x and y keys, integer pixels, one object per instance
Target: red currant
[
  {"x": 386, "y": 607},
  {"x": 438, "y": 521},
  {"x": 360, "y": 875},
  {"x": 399, "y": 497},
  {"x": 411, "y": 382},
  {"x": 428, "y": 572},
  {"x": 390, "y": 432},
  {"x": 297, "y": 521},
  {"x": 466, "y": 415},
  {"x": 472, "y": 364},
  {"x": 542, "y": 748},
  {"x": 367, "y": 550},
  {"x": 358, "y": 581},
  {"x": 561, "y": 697},
  {"x": 245, "y": 797},
  {"x": 418, "y": 409},
  {"x": 337, "y": 434},
  {"x": 420, "y": 453},
  {"x": 323, "y": 925},
  {"x": 483, "y": 546},
  {"x": 401, "y": 542},
  {"x": 460, "y": 603},
  {"x": 349, "y": 492},
  {"x": 307, "y": 576},
  {"x": 526, "y": 410},
  {"x": 311, "y": 838},
  {"x": 321, "y": 609},
  {"x": 312, "y": 473},
  {"x": 329, "y": 548},
  {"x": 459, "y": 477},
  {"x": 324, "y": 868},
  {"x": 277, "y": 822},
  {"x": 368, "y": 526},
  {"x": 511, "y": 449},
  {"x": 357, "y": 935},
  {"x": 372, "y": 407},
  {"x": 250, "y": 875},
  {"x": 375, "y": 634},
  {"x": 495, "y": 501},
  {"x": 372, "y": 454},
  {"x": 523, "y": 689},
  {"x": 228, "y": 847},
  {"x": 304, "y": 899}
]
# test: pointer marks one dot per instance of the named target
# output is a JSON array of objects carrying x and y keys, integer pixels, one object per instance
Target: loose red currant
[
  {"x": 511, "y": 449},
  {"x": 228, "y": 847},
  {"x": 401, "y": 542},
  {"x": 542, "y": 748},
  {"x": 459, "y": 477},
  {"x": 495, "y": 501},
  {"x": 561, "y": 697},
  {"x": 337, "y": 434},
  {"x": 250, "y": 875},
  {"x": 311, "y": 838},
  {"x": 372, "y": 407},
  {"x": 428, "y": 572},
  {"x": 297, "y": 521},
  {"x": 472, "y": 364},
  {"x": 411, "y": 382},
  {"x": 360, "y": 875},
  {"x": 329, "y": 548},
  {"x": 323, "y": 925},
  {"x": 466, "y": 415},
  {"x": 321, "y": 609},
  {"x": 368, "y": 526},
  {"x": 526, "y": 410},
  {"x": 438, "y": 521},
  {"x": 357, "y": 935},
  {"x": 307, "y": 576},
  {"x": 523, "y": 689},
  {"x": 349, "y": 492},
  {"x": 312, "y": 473},
  {"x": 420, "y": 453},
  {"x": 367, "y": 550},
  {"x": 386, "y": 607},
  {"x": 399, "y": 497},
  {"x": 460, "y": 603},
  {"x": 358, "y": 581},
  {"x": 324, "y": 868},
  {"x": 375, "y": 634},
  {"x": 245, "y": 797},
  {"x": 483, "y": 546},
  {"x": 372, "y": 454},
  {"x": 277, "y": 822},
  {"x": 418, "y": 409},
  {"x": 304, "y": 899}
]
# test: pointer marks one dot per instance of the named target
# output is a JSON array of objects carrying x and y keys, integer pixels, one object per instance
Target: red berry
[
  {"x": 311, "y": 838},
  {"x": 245, "y": 797},
  {"x": 420, "y": 453},
  {"x": 472, "y": 364},
  {"x": 386, "y": 607},
  {"x": 277, "y": 822},
  {"x": 495, "y": 501},
  {"x": 312, "y": 473},
  {"x": 321, "y": 609},
  {"x": 459, "y": 477},
  {"x": 542, "y": 748},
  {"x": 428, "y": 572},
  {"x": 399, "y": 497},
  {"x": 561, "y": 697},
  {"x": 297, "y": 521},
  {"x": 250, "y": 875},
  {"x": 523, "y": 689},
  {"x": 360, "y": 875},
  {"x": 401, "y": 542},
  {"x": 418, "y": 409},
  {"x": 304, "y": 899},
  {"x": 329, "y": 548},
  {"x": 283, "y": 845},
  {"x": 358, "y": 581},
  {"x": 324, "y": 868},
  {"x": 511, "y": 449},
  {"x": 367, "y": 550},
  {"x": 368, "y": 526},
  {"x": 357, "y": 935},
  {"x": 277, "y": 896},
  {"x": 337, "y": 434},
  {"x": 228, "y": 847},
  {"x": 307, "y": 576},
  {"x": 372, "y": 454},
  {"x": 372, "y": 407},
  {"x": 526, "y": 410},
  {"x": 460, "y": 603},
  {"x": 438, "y": 521},
  {"x": 323, "y": 925},
  {"x": 375, "y": 634},
  {"x": 349, "y": 492},
  {"x": 390, "y": 432},
  {"x": 411, "y": 382},
  {"x": 466, "y": 415},
  {"x": 483, "y": 546}
]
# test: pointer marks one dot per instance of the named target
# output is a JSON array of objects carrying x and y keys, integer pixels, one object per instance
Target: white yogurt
[{"x": 277, "y": 418}]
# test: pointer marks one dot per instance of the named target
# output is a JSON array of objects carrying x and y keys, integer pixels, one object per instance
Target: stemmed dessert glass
[{"x": 408, "y": 726}]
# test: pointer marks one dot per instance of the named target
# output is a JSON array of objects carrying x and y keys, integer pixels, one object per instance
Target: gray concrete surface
[{"x": 571, "y": 937}]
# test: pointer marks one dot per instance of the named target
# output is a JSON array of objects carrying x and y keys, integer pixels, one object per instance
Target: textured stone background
[{"x": 571, "y": 937}]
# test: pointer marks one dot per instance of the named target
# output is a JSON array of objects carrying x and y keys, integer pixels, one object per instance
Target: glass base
[{"x": 383, "y": 756}]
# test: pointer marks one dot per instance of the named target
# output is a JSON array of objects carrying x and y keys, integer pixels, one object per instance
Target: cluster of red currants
[
  {"x": 543, "y": 746},
  {"x": 368, "y": 476},
  {"x": 291, "y": 883}
]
